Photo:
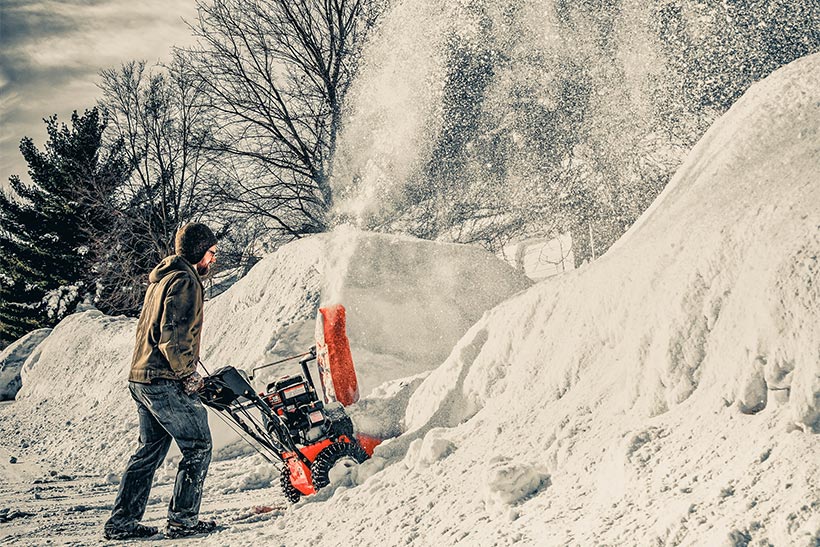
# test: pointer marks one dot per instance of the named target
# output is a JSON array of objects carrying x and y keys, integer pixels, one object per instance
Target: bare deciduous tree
[
  {"x": 161, "y": 117},
  {"x": 275, "y": 73}
]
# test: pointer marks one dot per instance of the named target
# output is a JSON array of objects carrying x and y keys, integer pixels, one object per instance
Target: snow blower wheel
[
  {"x": 335, "y": 453},
  {"x": 291, "y": 493}
]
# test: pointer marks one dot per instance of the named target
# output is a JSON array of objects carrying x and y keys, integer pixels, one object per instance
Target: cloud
[{"x": 51, "y": 53}]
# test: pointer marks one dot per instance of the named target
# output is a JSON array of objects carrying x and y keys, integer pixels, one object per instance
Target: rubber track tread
[
  {"x": 291, "y": 493},
  {"x": 327, "y": 458}
]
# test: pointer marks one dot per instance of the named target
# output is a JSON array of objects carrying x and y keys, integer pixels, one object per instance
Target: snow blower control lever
[
  {"x": 290, "y": 422},
  {"x": 309, "y": 355}
]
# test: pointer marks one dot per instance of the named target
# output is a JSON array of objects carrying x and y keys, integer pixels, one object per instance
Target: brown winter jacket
[{"x": 170, "y": 324}]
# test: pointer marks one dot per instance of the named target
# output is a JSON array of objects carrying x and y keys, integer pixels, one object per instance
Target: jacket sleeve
[{"x": 179, "y": 338}]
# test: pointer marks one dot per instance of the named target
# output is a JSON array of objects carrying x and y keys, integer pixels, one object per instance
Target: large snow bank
[
  {"x": 408, "y": 302},
  {"x": 12, "y": 359},
  {"x": 666, "y": 394}
]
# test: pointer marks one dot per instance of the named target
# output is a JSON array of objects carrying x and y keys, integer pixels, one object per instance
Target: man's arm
[{"x": 178, "y": 341}]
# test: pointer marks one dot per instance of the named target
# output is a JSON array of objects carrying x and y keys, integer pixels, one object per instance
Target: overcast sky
[{"x": 51, "y": 53}]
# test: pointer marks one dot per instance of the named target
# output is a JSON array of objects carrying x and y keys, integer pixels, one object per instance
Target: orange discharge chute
[{"x": 336, "y": 371}]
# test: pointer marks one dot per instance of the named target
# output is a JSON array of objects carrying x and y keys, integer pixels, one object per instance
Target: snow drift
[
  {"x": 666, "y": 394},
  {"x": 408, "y": 302}
]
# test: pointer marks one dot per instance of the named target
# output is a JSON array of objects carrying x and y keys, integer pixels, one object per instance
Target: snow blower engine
[{"x": 293, "y": 425}]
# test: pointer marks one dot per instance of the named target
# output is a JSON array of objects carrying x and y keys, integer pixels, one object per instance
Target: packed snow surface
[{"x": 666, "y": 394}]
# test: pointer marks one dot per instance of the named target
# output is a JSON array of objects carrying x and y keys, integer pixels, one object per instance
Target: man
[{"x": 163, "y": 382}]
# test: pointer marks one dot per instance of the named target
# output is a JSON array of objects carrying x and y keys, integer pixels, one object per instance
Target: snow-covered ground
[{"x": 666, "y": 394}]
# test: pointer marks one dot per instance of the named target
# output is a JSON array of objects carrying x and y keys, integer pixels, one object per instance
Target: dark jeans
[{"x": 165, "y": 412}]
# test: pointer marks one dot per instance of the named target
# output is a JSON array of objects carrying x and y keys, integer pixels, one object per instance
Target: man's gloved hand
[{"x": 192, "y": 383}]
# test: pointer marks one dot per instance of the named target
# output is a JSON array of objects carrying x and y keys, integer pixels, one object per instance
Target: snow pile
[
  {"x": 408, "y": 302},
  {"x": 73, "y": 408},
  {"x": 12, "y": 359},
  {"x": 668, "y": 393}
]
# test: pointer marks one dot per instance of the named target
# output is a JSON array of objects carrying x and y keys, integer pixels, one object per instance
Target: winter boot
[
  {"x": 174, "y": 530},
  {"x": 138, "y": 531}
]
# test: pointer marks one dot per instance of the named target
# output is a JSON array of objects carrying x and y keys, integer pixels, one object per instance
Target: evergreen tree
[{"x": 45, "y": 229}]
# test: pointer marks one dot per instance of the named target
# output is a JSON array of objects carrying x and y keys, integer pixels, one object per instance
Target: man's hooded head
[{"x": 193, "y": 241}]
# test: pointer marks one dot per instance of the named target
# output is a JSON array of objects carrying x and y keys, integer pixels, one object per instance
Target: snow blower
[{"x": 304, "y": 432}]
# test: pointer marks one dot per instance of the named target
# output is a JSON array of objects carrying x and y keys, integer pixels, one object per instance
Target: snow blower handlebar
[
  {"x": 309, "y": 355},
  {"x": 223, "y": 391}
]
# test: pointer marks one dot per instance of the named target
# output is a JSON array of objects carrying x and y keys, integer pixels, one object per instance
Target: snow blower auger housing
[{"x": 309, "y": 435}]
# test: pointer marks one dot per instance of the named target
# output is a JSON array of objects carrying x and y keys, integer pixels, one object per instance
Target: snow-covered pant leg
[
  {"x": 184, "y": 417},
  {"x": 194, "y": 441},
  {"x": 184, "y": 506},
  {"x": 135, "y": 485}
]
